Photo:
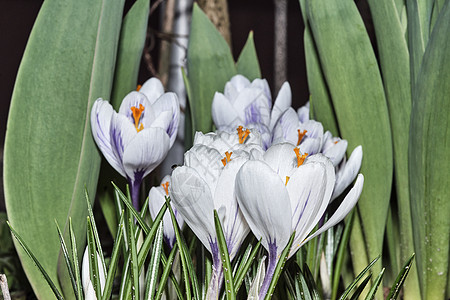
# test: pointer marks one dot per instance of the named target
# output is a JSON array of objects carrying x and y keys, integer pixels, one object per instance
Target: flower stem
[
  {"x": 270, "y": 270},
  {"x": 135, "y": 188}
]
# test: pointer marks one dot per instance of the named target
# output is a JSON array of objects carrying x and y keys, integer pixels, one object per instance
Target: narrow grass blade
[
  {"x": 400, "y": 280},
  {"x": 95, "y": 231},
  {"x": 341, "y": 252},
  {"x": 226, "y": 264},
  {"x": 115, "y": 255},
  {"x": 375, "y": 285},
  {"x": 153, "y": 267},
  {"x": 279, "y": 267},
  {"x": 36, "y": 262},
  {"x": 69, "y": 264},
  {"x": 247, "y": 63},
  {"x": 134, "y": 268},
  {"x": 302, "y": 288},
  {"x": 166, "y": 272},
  {"x": 93, "y": 260},
  {"x": 73, "y": 245},
  {"x": 357, "y": 279},
  {"x": 240, "y": 275},
  {"x": 361, "y": 287},
  {"x": 309, "y": 279}
]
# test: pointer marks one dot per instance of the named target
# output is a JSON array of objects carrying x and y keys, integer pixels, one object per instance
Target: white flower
[
  {"x": 88, "y": 289},
  {"x": 206, "y": 182},
  {"x": 284, "y": 193},
  {"x": 157, "y": 199},
  {"x": 249, "y": 104},
  {"x": 137, "y": 138}
]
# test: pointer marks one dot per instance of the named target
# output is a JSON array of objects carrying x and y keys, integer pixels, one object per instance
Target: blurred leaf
[
  {"x": 247, "y": 63},
  {"x": 354, "y": 80},
  {"x": 129, "y": 52},
  {"x": 210, "y": 65},
  {"x": 429, "y": 162},
  {"x": 50, "y": 156}
]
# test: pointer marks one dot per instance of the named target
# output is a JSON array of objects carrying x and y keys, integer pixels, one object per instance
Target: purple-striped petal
[
  {"x": 168, "y": 103},
  {"x": 282, "y": 103},
  {"x": 347, "y": 173}
]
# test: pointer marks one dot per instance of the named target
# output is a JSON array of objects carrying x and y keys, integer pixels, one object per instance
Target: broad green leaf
[
  {"x": 352, "y": 75},
  {"x": 129, "y": 52},
  {"x": 210, "y": 65},
  {"x": 247, "y": 63},
  {"x": 395, "y": 67},
  {"x": 50, "y": 156},
  {"x": 429, "y": 162},
  {"x": 321, "y": 106}
]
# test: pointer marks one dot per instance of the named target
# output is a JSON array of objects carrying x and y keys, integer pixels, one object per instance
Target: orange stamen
[
  {"x": 242, "y": 134},
  {"x": 300, "y": 158},
  {"x": 227, "y": 158},
  {"x": 137, "y": 113},
  {"x": 300, "y": 136},
  {"x": 336, "y": 142},
  {"x": 287, "y": 179},
  {"x": 165, "y": 186},
  {"x": 138, "y": 87}
]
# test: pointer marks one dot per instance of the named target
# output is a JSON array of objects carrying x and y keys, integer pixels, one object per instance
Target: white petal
[
  {"x": 223, "y": 113},
  {"x": 349, "y": 171},
  {"x": 121, "y": 134},
  {"x": 168, "y": 102},
  {"x": 258, "y": 280},
  {"x": 263, "y": 85},
  {"x": 264, "y": 201},
  {"x": 336, "y": 152},
  {"x": 318, "y": 202},
  {"x": 234, "y": 225},
  {"x": 346, "y": 206},
  {"x": 152, "y": 89},
  {"x": 192, "y": 197},
  {"x": 303, "y": 113},
  {"x": 282, "y": 159},
  {"x": 310, "y": 145},
  {"x": 145, "y": 152},
  {"x": 285, "y": 129},
  {"x": 251, "y": 106},
  {"x": 282, "y": 103},
  {"x": 135, "y": 99},
  {"x": 239, "y": 82},
  {"x": 101, "y": 118}
]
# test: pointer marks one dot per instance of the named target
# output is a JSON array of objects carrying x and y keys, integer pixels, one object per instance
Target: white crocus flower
[
  {"x": 157, "y": 198},
  {"x": 298, "y": 129},
  {"x": 249, "y": 104},
  {"x": 88, "y": 289},
  {"x": 137, "y": 138},
  {"x": 206, "y": 182},
  {"x": 286, "y": 192}
]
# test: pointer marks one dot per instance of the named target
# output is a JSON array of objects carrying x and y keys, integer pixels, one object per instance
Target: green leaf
[
  {"x": 360, "y": 288},
  {"x": 357, "y": 279},
  {"x": 429, "y": 162},
  {"x": 154, "y": 263},
  {"x": 129, "y": 53},
  {"x": 279, "y": 268},
  {"x": 375, "y": 285},
  {"x": 69, "y": 263},
  {"x": 400, "y": 280},
  {"x": 225, "y": 258},
  {"x": 134, "y": 281},
  {"x": 36, "y": 262},
  {"x": 50, "y": 155},
  {"x": 245, "y": 266},
  {"x": 115, "y": 255},
  {"x": 93, "y": 260},
  {"x": 247, "y": 63},
  {"x": 166, "y": 272},
  {"x": 210, "y": 65},
  {"x": 354, "y": 80},
  {"x": 73, "y": 245}
]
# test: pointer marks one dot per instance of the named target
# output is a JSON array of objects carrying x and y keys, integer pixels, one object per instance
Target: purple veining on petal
[
  {"x": 230, "y": 236},
  {"x": 252, "y": 114},
  {"x": 100, "y": 134},
  {"x": 273, "y": 259},
  {"x": 117, "y": 143},
  {"x": 303, "y": 210}
]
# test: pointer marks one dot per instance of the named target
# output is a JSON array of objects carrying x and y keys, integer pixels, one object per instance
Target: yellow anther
[
  {"x": 165, "y": 186},
  {"x": 137, "y": 113},
  {"x": 243, "y": 134},
  {"x": 287, "y": 179},
  {"x": 227, "y": 158},
  {"x": 138, "y": 87},
  {"x": 301, "y": 135},
  {"x": 300, "y": 158}
]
